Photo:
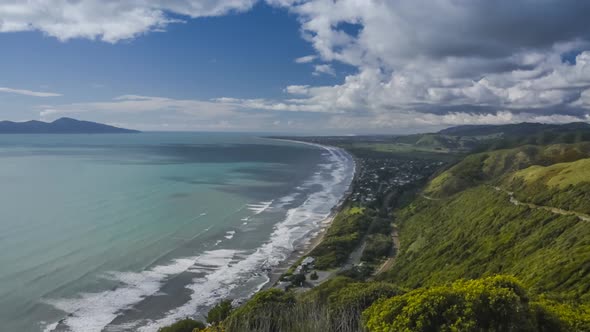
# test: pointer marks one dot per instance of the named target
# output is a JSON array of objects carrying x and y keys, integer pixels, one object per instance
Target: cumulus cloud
[
  {"x": 29, "y": 92},
  {"x": 418, "y": 62},
  {"x": 107, "y": 20}
]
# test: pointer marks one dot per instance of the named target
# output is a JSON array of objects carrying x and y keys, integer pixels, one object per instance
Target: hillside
[
  {"x": 60, "y": 126},
  {"x": 494, "y": 137},
  {"x": 518, "y": 129},
  {"x": 468, "y": 225},
  {"x": 487, "y": 166}
]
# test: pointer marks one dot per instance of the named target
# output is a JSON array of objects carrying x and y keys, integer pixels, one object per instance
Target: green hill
[{"x": 487, "y": 166}]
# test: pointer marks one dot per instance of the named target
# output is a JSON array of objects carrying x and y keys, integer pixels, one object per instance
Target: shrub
[
  {"x": 219, "y": 312},
  {"x": 185, "y": 325},
  {"x": 492, "y": 304},
  {"x": 378, "y": 246},
  {"x": 262, "y": 312},
  {"x": 313, "y": 276},
  {"x": 298, "y": 280}
]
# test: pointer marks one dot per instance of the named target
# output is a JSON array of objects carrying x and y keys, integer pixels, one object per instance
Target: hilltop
[{"x": 60, "y": 126}]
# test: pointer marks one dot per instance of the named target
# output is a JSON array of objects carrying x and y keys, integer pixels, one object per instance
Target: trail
[
  {"x": 551, "y": 209},
  {"x": 430, "y": 198}
]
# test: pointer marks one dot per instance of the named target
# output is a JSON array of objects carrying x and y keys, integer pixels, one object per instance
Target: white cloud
[
  {"x": 476, "y": 56},
  {"x": 107, "y": 20},
  {"x": 306, "y": 59},
  {"x": 418, "y": 62},
  {"x": 323, "y": 69},
  {"x": 29, "y": 92},
  {"x": 134, "y": 104}
]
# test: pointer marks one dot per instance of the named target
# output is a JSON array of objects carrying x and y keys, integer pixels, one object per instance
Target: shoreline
[{"x": 317, "y": 237}]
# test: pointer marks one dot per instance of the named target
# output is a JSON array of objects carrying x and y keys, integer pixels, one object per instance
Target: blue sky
[{"x": 310, "y": 66}]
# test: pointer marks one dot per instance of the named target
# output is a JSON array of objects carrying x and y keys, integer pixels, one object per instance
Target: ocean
[{"x": 130, "y": 232}]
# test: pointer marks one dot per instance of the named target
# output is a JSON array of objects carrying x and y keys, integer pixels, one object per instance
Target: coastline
[{"x": 317, "y": 237}]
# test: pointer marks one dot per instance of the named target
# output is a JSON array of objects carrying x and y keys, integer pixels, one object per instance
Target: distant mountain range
[
  {"x": 60, "y": 126},
  {"x": 520, "y": 129}
]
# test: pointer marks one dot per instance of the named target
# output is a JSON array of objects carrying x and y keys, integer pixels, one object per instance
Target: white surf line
[
  {"x": 328, "y": 148},
  {"x": 260, "y": 207}
]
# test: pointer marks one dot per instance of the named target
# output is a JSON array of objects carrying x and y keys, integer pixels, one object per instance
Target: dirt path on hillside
[
  {"x": 430, "y": 198},
  {"x": 551, "y": 209}
]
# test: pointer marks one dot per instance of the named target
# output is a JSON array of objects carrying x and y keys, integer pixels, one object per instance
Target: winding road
[{"x": 551, "y": 209}]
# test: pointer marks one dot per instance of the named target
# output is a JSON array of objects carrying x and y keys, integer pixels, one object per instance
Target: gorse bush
[{"x": 498, "y": 303}]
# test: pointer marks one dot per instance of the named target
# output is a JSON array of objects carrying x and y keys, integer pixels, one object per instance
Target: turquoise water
[{"x": 130, "y": 232}]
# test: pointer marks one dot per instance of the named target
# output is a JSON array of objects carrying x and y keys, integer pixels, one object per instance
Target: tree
[
  {"x": 298, "y": 280},
  {"x": 314, "y": 276}
]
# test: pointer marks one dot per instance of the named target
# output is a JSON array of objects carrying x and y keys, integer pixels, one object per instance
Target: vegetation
[
  {"x": 378, "y": 246},
  {"x": 488, "y": 166},
  {"x": 185, "y": 325},
  {"x": 496, "y": 303},
  {"x": 313, "y": 276},
  {"x": 478, "y": 232},
  {"x": 343, "y": 236},
  {"x": 563, "y": 185},
  {"x": 219, "y": 312},
  {"x": 264, "y": 312}
]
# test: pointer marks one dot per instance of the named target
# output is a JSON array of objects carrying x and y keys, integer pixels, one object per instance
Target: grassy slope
[
  {"x": 563, "y": 185},
  {"x": 479, "y": 232},
  {"x": 487, "y": 166},
  {"x": 473, "y": 230}
]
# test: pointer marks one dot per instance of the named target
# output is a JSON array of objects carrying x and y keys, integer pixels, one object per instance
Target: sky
[{"x": 295, "y": 66}]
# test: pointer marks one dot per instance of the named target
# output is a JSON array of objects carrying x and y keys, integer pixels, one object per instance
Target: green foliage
[
  {"x": 343, "y": 300},
  {"x": 378, "y": 246},
  {"x": 341, "y": 238},
  {"x": 563, "y": 316},
  {"x": 478, "y": 232},
  {"x": 563, "y": 185},
  {"x": 313, "y": 276},
  {"x": 185, "y": 325},
  {"x": 298, "y": 280},
  {"x": 219, "y": 312},
  {"x": 479, "y": 168},
  {"x": 360, "y": 295},
  {"x": 492, "y": 304},
  {"x": 263, "y": 310}
]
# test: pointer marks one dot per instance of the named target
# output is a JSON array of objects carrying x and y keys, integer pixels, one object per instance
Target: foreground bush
[
  {"x": 263, "y": 312},
  {"x": 185, "y": 325},
  {"x": 497, "y": 303}
]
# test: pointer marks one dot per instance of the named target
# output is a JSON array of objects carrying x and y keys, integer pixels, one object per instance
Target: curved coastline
[{"x": 317, "y": 237}]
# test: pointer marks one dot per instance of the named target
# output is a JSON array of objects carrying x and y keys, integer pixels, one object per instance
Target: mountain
[
  {"x": 519, "y": 129},
  {"x": 60, "y": 126}
]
